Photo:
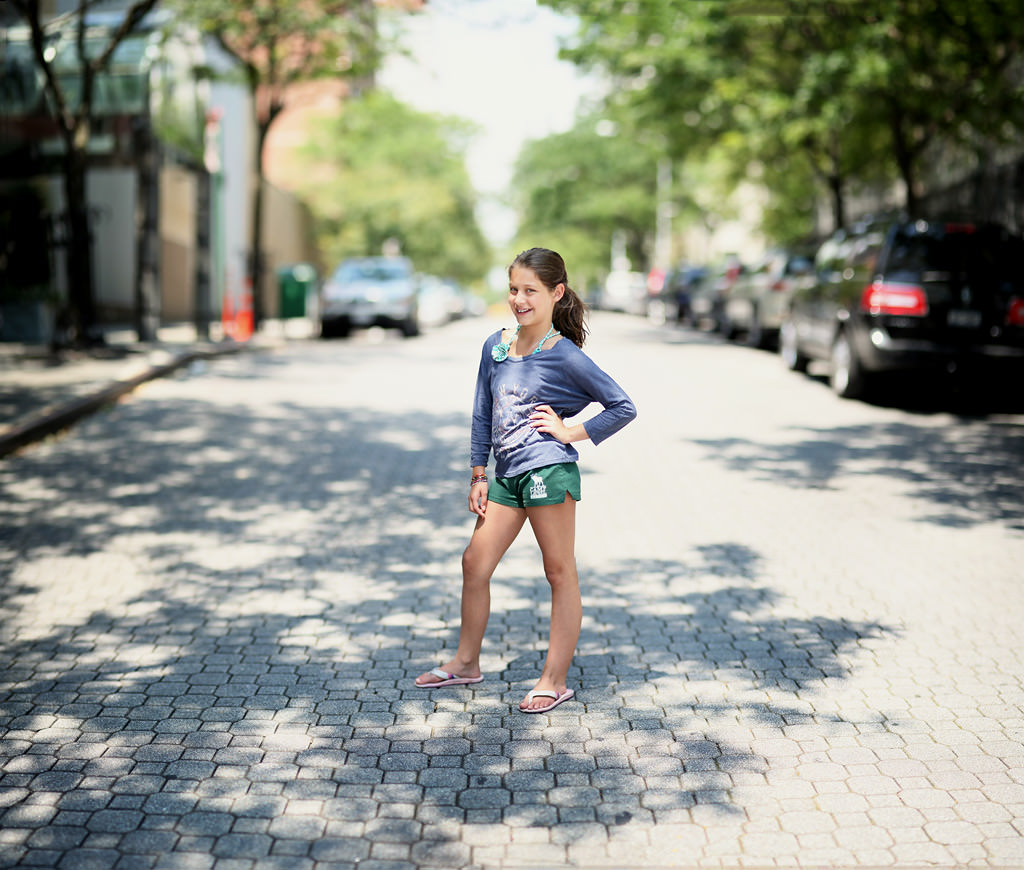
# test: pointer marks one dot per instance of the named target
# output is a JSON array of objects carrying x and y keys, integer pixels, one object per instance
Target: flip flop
[
  {"x": 448, "y": 680},
  {"x": 546, "y": 693}
]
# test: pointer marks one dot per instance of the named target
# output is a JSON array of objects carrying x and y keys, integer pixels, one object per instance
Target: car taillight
[
  {"x": 904, "y": 299},
  {"x": 1015, "y": 313}
]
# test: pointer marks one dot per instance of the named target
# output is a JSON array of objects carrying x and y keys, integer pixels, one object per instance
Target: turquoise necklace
[{"x": 499, "y": 353}]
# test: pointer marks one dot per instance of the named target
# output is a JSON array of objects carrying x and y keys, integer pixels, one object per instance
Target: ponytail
[{"x": 569, "y": 316}]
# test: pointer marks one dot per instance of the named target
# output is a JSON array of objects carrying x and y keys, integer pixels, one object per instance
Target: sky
[{"x": 494, "y": 62}]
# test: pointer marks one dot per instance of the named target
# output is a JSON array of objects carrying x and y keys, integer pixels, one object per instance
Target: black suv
[{"x": 910, "y": 296}]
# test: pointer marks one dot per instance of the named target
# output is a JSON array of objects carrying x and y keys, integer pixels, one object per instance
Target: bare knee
[
  {"x": 560, "y": 573},
  {"x": 474, "y": 565}
]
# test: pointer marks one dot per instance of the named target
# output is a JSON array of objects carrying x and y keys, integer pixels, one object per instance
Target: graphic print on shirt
[{"x": 511, "y": 418}]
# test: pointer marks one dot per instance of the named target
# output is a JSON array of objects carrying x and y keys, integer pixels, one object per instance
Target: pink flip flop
[
  {"x": 556, "y": 697},
  {"x": 447, "y": 679}
]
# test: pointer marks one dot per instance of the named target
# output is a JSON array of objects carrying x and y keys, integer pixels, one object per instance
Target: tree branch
[
  {"x": 131, "y": 21},
  {"x": 29, "y": 10}
]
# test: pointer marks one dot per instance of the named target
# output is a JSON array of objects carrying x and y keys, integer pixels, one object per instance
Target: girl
[{"x": 530, "y": 378}]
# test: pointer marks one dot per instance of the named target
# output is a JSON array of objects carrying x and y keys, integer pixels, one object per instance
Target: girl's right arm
[{"x": 480, "y": 434}]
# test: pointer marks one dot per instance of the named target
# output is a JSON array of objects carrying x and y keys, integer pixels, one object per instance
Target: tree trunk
[
  {"x": 256, "y": 253},
  {"x": 78, "y": 261},
  {"x": 909, "y": 177},
  {"x": 147, "y": 227},
  {"x": 256, "y": 261},
  {"x": 835, "y": 186},
  {"x": 835, "y": 183},
  {"x": 904, "y": 153}
]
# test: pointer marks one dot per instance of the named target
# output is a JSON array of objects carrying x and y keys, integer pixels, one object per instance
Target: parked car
[
  {"x": 624, "y": 291},
  {"x": 707, "y": 302},
  {"x": 370, "y": 291},
  {"x": 440, "y": 302},
  {"x": 673, "y": 298},
  {"x": 472, "y": 304},
  {"x": 910, "y": 296},
  {"x": 758, "y": 301}
]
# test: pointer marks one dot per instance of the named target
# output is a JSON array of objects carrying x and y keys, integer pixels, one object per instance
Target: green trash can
[{"x": 295, "y": 284}]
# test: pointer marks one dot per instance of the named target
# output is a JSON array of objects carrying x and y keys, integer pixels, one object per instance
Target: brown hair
[{"x": 570, "y": 312}]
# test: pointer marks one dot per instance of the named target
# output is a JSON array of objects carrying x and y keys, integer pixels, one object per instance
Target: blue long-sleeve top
[{"x": 562, "y": 376}]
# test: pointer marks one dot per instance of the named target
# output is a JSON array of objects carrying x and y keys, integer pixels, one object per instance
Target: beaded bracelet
[{"x": 478, "y": 478}]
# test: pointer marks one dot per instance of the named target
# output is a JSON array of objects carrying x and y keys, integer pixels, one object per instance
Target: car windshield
[
  {"x": 957, "y": 254},
  {"x": 372, "y": 270},
  {"x": 799, "y": 266}
]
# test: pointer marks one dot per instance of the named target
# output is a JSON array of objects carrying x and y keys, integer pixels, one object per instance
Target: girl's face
[{"x": 530, "y": 300}]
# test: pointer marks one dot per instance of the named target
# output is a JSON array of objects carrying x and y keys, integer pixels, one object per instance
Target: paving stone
[
  {"x": 89, "y": 859},
  {"x": 204, "y": 824},
  {"x": 340, "y": 849},
  {"x": 148, "y": 842}
]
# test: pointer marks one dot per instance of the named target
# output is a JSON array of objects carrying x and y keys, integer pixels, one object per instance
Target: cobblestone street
[{"x": 803, "y": 641}]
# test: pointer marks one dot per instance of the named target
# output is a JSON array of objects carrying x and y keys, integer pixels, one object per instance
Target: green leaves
[
  {"x": 856, "y": 92},
  {"x": 381, "y": 170},
  {"x": 291, "y": 42},
  {"x": 574, "y": 190}
]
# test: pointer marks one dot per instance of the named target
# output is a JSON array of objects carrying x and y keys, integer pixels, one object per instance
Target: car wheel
[
  {"x": 334, "y": 329},
  {"x": 789, "y": 348},
  {"x": 410, "y": 327},
  {"x": 727, "y": 327},
  {"x": 848, "y": 378},
  {"x": 756, "y": 336}
]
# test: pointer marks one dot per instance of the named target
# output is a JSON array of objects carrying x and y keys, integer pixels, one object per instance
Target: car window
[
  {"x": 831, "y": 255},
  {"x": 910, "y": 255},
  {"x": 862, "y": 256},
  {"x": 372, "y": 270},
  {"x": 799, "y": 266},
  {"x": 956, "y": 255}
]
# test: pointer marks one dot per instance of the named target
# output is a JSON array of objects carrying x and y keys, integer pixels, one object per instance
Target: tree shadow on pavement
[
  {"x": 212, "y": 618},
  {"x": 969, "y": 474}
]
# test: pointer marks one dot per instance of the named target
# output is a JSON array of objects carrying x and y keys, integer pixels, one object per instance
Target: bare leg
[
  {"x": 555, "y": 529},
  {"x": 491, "y": 539}
]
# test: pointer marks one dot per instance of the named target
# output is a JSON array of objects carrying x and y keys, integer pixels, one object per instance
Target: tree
[
  {"x": 579, "y": 188},
  {"x": 279, "y": 45},
  {"x": 724, "y": 84},
  {"x": 798, "y": 118},
  {"x": 862, "y": 91},
  {"x": 881, "y": 87},
  {"x": 70, "y": 100},
  {"x": 381, "y": 171},
  {"x": 942, "y": 72}
]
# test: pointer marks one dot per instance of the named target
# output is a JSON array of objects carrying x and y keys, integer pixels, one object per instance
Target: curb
[{"x": 59, "y": 417}]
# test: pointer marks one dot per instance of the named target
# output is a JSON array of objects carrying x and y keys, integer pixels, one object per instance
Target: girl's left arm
[
  {"x": 618, "y": 411},
  {"x": 594, "y": 385}
]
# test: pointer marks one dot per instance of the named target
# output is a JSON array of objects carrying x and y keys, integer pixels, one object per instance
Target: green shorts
[{"x": 547, "y": 485}]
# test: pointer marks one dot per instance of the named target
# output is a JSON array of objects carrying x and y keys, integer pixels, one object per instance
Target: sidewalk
[{"x": 42, "y": 393}]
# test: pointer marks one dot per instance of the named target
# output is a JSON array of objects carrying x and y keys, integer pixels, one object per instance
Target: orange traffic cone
[
  {"x": 244, "y": 317},
  {"x": 227, "y": 314}
]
